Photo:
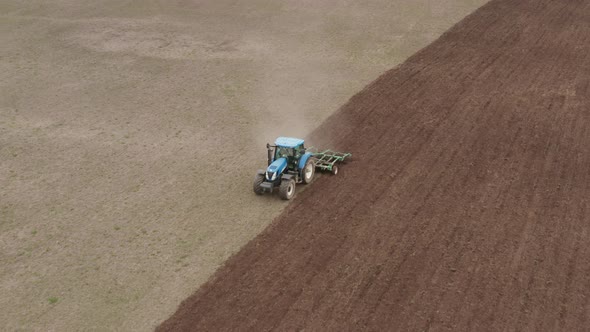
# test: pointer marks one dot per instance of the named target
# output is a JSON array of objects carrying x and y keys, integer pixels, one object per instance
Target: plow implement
[{"x": 327, "y": 160}]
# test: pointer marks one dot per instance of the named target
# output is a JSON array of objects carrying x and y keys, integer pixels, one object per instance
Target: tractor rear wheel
[
  {"x": 258, "y": 179},
  {"x": 308, "y": 171},
  {"x": 287, "y": 189}
]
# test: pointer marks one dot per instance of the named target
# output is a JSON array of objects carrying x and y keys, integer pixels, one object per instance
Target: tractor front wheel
[
  {"x": 308, "y": 171},
  {"x": 287, "y": 189},
  {"x": 258, "y": 179}
]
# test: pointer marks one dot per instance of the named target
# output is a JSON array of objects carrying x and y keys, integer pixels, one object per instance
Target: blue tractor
[{"x": 290, "y": 163}]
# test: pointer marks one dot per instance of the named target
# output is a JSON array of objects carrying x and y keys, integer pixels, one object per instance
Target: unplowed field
[{"x": 467, "y": 206}]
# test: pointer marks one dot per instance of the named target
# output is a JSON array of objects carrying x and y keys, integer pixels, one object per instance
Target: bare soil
[
  {"x": 130, "y": 132},
  {"x": 466, "y": 207}
]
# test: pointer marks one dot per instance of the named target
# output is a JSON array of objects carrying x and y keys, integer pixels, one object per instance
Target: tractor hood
[{"x": 275, "y": 169}]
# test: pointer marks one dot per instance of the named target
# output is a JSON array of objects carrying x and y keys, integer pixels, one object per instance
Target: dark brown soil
[{"x": 467, "y": 206}]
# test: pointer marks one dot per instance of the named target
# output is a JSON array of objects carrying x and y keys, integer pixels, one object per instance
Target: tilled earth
[{"x": 466, "y": 206}]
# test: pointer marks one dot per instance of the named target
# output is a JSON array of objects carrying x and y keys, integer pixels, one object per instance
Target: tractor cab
[{"x": 291, "y": 149}]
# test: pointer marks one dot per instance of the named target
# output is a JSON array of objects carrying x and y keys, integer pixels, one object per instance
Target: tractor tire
[
  {"x": 334, "y": 170},
  {"x": 308, "y": 171},
  {"x": 287, "y": 189},
  {"x": 258, "y": 179}
]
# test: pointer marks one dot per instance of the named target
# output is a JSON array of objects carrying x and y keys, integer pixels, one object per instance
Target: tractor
[{"x": 289, "y": 163}]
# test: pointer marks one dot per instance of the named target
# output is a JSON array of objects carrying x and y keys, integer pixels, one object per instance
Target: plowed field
[{"x": 467, "y": 206}]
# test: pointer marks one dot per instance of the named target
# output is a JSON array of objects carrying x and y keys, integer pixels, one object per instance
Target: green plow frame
[{"x": 325, "y": 160}]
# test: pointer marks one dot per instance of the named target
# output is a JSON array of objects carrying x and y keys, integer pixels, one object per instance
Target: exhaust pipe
[{"x": 270, "y": 153}]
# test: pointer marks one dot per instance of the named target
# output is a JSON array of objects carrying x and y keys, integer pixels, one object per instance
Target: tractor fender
[{"x": 303, "y": 160}]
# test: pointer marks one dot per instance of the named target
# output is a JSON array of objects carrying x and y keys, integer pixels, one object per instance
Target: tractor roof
[{"x": 288, "y": 142}]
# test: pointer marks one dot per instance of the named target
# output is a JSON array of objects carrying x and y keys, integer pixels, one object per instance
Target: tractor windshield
[{"x": 283, "y": 152}]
